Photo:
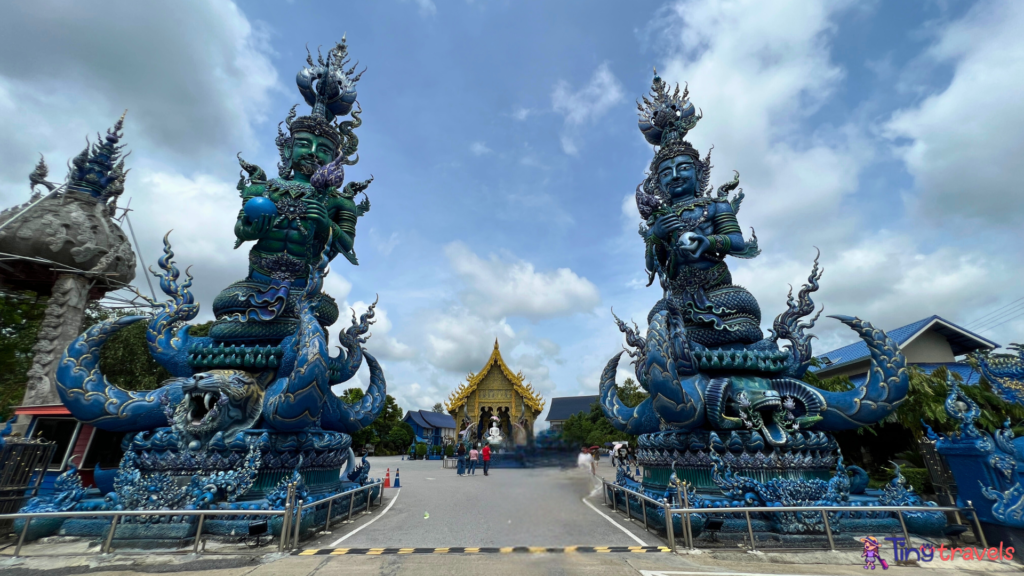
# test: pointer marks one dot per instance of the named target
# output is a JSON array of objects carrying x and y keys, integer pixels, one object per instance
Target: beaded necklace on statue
[{"x": 691, "y": 224}]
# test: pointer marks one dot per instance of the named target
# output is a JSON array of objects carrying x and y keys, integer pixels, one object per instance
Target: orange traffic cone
[
  {"x": 398, "y": 483},
  {"x": 387, "y": 479}
]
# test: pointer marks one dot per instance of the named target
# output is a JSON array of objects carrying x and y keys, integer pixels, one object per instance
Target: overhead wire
[
  {"x": 1015, "y": 316},
  {"x": 995, "y": 320},
  {"x": 979, "y": 320}
]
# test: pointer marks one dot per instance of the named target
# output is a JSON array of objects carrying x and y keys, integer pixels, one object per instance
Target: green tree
[
  {"x": 21, "y": 314},
  {"x": 382, "y": 432},
  {"x": 591, "y": 429},
  {"x": 896, "y": 437},
  {"x": 631, "y": 394},
  {"x": 125, "y": 358},
  {"x": 352, "y": 395},
  {"x": 401, "y": 436},
  {"x": 926, "y": 400},
  {"x": 438, "y": 408}
]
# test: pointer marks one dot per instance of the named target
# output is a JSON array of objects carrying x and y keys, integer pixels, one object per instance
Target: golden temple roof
[{"x": 526, "y": 391}]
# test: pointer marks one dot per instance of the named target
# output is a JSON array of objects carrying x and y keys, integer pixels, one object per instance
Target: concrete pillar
[{"x": 61, "y": 324}]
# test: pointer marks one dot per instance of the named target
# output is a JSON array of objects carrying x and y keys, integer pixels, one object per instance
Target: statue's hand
[
  {"x": 260, "y": 227},
  {"x": 316, "y": 212},
  {"x": 694, "y": 243},
  {"x": 666, "y": 225}
]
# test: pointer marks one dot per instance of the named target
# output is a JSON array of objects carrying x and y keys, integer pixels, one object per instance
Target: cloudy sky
[{"x": 502, "y": 139}]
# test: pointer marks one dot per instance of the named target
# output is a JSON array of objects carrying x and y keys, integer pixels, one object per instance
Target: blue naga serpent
[
  {"x": 294, "y": 398},
  {"x": 685, "y": 392}
]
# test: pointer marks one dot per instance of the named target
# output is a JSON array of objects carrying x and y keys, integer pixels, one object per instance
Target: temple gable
[{"x": 494, "y": 391}]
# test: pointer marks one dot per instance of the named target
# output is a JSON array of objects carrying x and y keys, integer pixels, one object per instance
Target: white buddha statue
[{"x": 494, "y": 434}]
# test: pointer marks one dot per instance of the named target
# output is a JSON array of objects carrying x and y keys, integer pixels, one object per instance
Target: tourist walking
[
  {"x": 474, "y": 456},
  {"x": 586, "y": 460},
  {"x": 462, "y": 459},
  {"x": 487, "y": 458}
]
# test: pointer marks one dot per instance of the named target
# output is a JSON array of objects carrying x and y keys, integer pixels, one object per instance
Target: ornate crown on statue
[
  {"x": 666, "y": 116},
  {"x": 330, "y": 89}
]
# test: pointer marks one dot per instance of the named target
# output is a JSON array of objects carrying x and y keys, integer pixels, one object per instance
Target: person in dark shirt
[{"x": 462, "y": 459}]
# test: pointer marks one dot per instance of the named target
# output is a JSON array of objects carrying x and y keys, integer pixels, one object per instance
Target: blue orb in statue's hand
[{"x": 259, "y": 206}]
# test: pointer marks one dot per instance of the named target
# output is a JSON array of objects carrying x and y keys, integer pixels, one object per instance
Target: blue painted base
[
  {"x": 171, "y": 531},
  {"x": 854, "y": 522},
  {"x": 248, "y": 473}
]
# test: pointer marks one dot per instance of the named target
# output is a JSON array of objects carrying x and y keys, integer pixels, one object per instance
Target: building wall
[{"x": 928, "y": 347}]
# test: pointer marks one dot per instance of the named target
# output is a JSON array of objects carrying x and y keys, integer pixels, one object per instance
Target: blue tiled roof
[
  {"x": 438, "y": 419},
  {"x": 416, "y": 418},
  {"x": 428, "y": 420},
  {"x": 962, "y": 341},
  {"x": 563, "y": 408},
  {"x": 967, "y": 374}
]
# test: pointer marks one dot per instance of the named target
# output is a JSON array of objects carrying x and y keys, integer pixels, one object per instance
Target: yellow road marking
[{"x": 476, "y": 550}]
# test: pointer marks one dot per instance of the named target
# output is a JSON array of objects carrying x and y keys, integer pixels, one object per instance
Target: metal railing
[
  {"x": 686, "y": 511},
  {"x": 23, "y": 465},
  {"x": 291, "y": 522}
]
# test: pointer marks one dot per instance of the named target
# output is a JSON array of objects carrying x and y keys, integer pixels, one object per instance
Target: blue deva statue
[
  {"x": 726, "y": 404},
  {"x": 249, "y": 408}
]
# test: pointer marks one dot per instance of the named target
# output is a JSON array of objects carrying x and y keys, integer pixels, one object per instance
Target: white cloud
[
  {"x": 966, "y": 142},
  {"x": 460, "y": 341},
  {"x": 427, "y": 7},
  {"x": 202, "y": 240},
  {"x": 194, "y": 96},
  {"x": 380, "y": 344},
  {"x": 192, "y": 102},
  {"x": 479, "y": 149},
  {"x": 385, "y": 247},
  {"x": 521, "y": 113},
  {"x": 759, "y": 70},
  {"x": 888, "y": 280},
  {"x": 586, "y": 105},
  {"x": 496, "y": 287}
]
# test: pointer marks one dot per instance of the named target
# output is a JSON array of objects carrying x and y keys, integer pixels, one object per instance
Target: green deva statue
[{"x": 294, "y": 217}]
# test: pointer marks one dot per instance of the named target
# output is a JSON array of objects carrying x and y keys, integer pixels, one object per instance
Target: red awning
[{"x": 44, "y": 410}]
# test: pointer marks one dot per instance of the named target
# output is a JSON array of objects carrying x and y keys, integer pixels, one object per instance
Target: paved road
[
  {"x": 540, "y": 507},
  {"x": 510, "y": 507}
]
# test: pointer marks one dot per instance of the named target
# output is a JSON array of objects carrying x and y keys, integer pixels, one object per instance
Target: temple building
[
  {"x": 564, "y": 408},
  {"x": 434, "y": 428},
  {"x": 927, "y": 343},
  {"x": 495, "y": 396}
]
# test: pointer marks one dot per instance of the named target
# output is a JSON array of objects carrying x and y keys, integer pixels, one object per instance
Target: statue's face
[
  {"x": 309, "y": 152},
  {"x": 678, "y": 177}
]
